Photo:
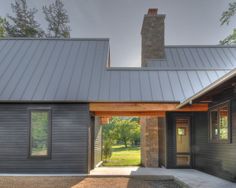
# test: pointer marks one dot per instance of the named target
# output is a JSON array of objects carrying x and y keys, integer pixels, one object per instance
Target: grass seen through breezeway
[{"x": 122, "y": 156}]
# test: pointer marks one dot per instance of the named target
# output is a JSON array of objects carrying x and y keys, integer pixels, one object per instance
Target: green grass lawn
[{"x": 122, "y": 156}]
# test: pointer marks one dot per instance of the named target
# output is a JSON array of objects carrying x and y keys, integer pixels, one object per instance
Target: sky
[{"x": 188, "y": 22}]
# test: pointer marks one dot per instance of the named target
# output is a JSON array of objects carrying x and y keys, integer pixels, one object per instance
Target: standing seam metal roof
[{"x": 66, "y": 70}]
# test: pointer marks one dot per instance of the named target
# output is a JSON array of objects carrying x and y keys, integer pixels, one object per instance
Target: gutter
[{"x": 216, "y": 83}]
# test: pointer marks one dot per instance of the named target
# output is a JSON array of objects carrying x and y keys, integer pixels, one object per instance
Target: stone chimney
[{"x": 153, "y": 36}]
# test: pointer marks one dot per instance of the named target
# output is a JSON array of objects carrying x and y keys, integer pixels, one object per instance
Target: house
[{"x": 53, "y": 93}]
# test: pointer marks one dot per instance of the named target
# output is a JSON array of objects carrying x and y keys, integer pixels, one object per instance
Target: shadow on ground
[{"x": 89, "y": 182}]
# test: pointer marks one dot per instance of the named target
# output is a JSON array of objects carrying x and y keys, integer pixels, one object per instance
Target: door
[{"x": 183, "y": 144}]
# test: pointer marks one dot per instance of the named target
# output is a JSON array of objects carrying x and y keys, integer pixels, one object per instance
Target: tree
[
  {"x": 225, "y": 19},
  {"x": 126, "y": 131},
  {"x": 2, "y": 29},
  {"x": 107, "y": 150},
  {"x": 58, "y": 20},
  {"x": 23, "y": 23}
]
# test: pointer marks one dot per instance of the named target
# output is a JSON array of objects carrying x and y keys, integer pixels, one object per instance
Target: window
[
  {"x": 40, "y": 133},
  {"x": 219, "y": 124}
]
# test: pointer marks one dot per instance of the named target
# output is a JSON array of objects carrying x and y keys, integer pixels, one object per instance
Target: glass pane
[
  {"x": 214, "y": 124},
  {"x": 39, "y": 133},
  {"x": 223, "y": 121}
]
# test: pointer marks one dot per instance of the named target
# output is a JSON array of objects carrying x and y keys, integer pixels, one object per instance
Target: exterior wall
[
  {"x": 170, "y": 141},
  {"x": 69, "y": 152},
  {"x": 215, "y": 158},
  {"x": 149, "y": 142},
  {"x": 97, "y": 142},
  {"x": 162, "y": 140}
]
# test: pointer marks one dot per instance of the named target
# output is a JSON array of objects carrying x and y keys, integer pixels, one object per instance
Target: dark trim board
[{"x": 69, "y": 154}]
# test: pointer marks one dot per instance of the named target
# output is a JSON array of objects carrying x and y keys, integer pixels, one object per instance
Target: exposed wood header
[
  {"x": 142, "y": 109},
  {"x": 125, "y": 113}
]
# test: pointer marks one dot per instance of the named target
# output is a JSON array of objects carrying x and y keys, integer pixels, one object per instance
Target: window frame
[
  {"x": 217, "y": 108},
  {"x": 49, "y": 154}
]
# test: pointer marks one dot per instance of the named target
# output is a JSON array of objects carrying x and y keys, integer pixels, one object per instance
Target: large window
[
  {"x": 40, "y": 133},
  {"x": 219, "y": 124}
]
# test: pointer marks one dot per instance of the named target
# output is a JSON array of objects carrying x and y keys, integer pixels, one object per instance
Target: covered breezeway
[{"x": 153, "y": 128}]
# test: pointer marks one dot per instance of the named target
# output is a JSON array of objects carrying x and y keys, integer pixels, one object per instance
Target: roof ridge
[
  {"x": 167, "y": 69},
  {"x": 65, "y": 39},
  {"x": 200, "y": 46}
]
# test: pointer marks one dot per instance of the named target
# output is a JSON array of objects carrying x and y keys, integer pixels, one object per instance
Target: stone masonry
[
  {"x": 153, "y": 30},
  {"x": 149, "y": 142}
]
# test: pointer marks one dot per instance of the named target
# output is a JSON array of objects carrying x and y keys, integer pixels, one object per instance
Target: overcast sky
[{"x": 187, "y": 22}]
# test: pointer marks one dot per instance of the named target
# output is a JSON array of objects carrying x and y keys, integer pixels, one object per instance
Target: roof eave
[{"x": 218, "y": 82}]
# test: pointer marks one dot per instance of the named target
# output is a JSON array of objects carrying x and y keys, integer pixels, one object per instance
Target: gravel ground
[{"x": 84, "y": 182}]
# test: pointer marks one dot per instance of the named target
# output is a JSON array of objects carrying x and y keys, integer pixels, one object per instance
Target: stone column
[{"x": 149, "y": 142}]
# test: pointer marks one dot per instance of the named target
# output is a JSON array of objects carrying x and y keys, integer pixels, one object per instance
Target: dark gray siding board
[
  {"x": 214, "y": 158},
  {"x": 170, "y": 147},
  {"x": 162, "y": 140},
  {"x": 97, "y": 142},
  {"x": 69, "y": 152}
]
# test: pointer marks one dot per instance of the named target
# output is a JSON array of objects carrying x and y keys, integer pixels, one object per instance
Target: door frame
[{"x": 189, "y": 117}]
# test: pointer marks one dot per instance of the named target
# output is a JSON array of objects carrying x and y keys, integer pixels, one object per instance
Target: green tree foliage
[
  {"x": 225, "y": 20},
  {"x": 110, "y": 132},
  {"x": 126, "y": 131},
  {"x": 2, "y": 29},
  {"x": 58, "y": 20},
  {"x": 107, "y": 150},
  {"x": 23, "y": 23}
]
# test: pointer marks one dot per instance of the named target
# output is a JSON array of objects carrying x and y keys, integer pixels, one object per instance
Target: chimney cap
[{"x": 152, "y": 11}]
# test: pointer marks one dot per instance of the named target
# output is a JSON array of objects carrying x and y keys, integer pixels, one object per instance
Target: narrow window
[
  {"x": 219, "y": 124},
  {"x": 223, "y": 123},
  {"x": 40, "y": 130},
  {"x": 214, "y": 124}
]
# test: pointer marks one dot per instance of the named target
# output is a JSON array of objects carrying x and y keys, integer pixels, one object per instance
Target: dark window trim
[
  {"x": 217, "y": 107},
  {"x": 39, "y": 109}
]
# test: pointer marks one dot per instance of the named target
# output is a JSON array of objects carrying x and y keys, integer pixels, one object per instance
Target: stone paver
[{"x": 191, "y": 177}]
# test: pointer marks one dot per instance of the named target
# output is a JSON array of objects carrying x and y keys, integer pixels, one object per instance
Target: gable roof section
[
  {"x": 209, "y": 88},
  {"x": 68, "y": 70}
]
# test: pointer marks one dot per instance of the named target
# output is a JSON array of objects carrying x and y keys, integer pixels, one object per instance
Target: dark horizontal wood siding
[
  {"x": 170, "y": 141},
  {"x": 215, "y": 158},
  {"x": 97, "y": 142},
  {"x": 69, "y": 152},
  {"x": 162, "y": 140}
]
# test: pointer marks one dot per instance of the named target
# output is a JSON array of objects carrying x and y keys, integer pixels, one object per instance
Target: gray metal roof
[
  {"x": 212, "y": 86},
  {"x": 75, "y": 70},
  {"x": 197, "y": 57}
]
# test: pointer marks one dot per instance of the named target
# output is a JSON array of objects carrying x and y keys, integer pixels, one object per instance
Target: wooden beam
[
  {"x": 145, "y": 107},
  {"x": 117, "y": 113}
]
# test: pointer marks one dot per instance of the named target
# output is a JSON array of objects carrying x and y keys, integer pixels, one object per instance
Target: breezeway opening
[
  {"x": 120, "y": 141},
  {"x": 152, "y": 138}
]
